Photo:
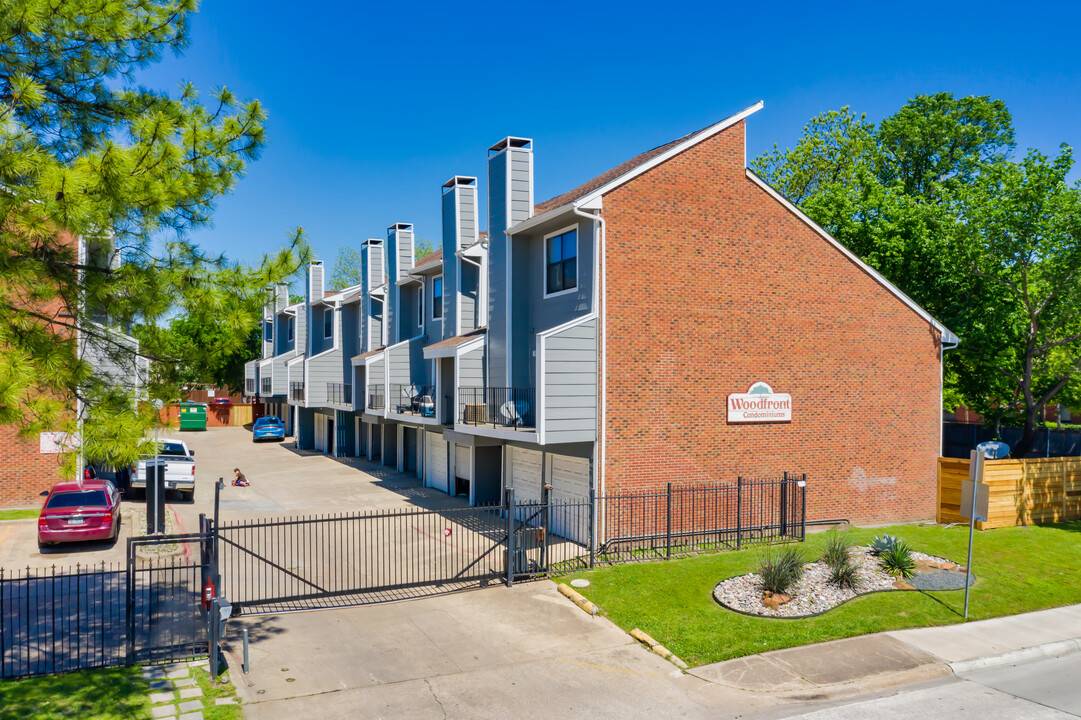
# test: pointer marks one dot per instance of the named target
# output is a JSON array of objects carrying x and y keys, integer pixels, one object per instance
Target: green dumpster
[{"x": 192, "y": 416}]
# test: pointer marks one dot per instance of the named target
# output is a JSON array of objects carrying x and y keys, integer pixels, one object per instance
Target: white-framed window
[
  {"x": 437, "y": 297},
  {"x": 268, "y": 330},
  {"x": 561, "y": 262},
  {"x": 289, "y": 328},
  {"x": 328, "y": 323}
]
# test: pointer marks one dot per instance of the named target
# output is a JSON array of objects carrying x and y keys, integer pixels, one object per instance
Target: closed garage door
[
  {"x": 570, "y": 496},
  {"x": 463, "y": 469},
  {"x": 526, "y": 477},
  {"x": 435, "y": 475}
]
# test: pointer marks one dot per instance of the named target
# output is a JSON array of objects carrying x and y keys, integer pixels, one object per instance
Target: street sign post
[{"x": 974, "y": 501}]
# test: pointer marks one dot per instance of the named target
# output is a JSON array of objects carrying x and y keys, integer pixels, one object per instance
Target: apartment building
[{"x": 674, "y": 319}]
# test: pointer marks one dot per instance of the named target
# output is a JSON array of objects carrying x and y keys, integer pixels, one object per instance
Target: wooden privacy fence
[
  {"x": 219, "y": 415},
  {"x": 1022, "y": 492}
]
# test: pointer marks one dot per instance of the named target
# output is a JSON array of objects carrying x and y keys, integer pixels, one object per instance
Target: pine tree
[{"x": 86, "y": 152}]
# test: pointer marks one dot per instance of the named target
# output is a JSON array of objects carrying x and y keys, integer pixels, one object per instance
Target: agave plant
[
  {"x": 884, "y": 543},
  {"x": 897, "y": 561}
]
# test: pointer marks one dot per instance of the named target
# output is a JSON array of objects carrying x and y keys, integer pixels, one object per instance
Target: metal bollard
[{"x": 246, "y": 651}]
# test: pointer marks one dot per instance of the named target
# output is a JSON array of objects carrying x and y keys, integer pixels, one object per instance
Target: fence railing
[
  {"x": 296, "y": 391},
  {"x": 339, "y": 393},
  {"x": 413, "y": 399},
  {"x": 498, "y": 407},
  {"x": 376, "y": 397}
]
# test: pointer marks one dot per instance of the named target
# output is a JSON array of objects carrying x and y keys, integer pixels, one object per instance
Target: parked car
[
  {"x": 75, "y": 512},
  {"x": 179, "y": 462},
  {"x": 267, "y": 428}
]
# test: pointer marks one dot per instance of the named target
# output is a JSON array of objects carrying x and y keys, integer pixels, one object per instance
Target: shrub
[
  {"x": 884, "y": 543},
  {"x": 835, "y": 553},
  {"x": 845, "y": 574},
  {"x": 898, "y": 560},
  {"x": 781, "y": 569}
]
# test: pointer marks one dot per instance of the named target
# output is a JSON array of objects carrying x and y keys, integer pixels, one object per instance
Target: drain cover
[{"x": 580, "y": 582}]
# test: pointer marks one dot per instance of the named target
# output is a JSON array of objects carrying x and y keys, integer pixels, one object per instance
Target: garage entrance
[
  {"x": 463, "y": 469},
  {"x": 436, "y": 461}
]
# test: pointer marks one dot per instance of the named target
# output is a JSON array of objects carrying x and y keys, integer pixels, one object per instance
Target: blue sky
[{"x": 372, "y": 106}]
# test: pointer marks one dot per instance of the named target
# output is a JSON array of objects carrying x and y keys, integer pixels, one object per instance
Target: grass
[
  {"x": 111, "y": 694},
  {"x": 19, "y": 514},
  {"x": 1017, "y": 569}
]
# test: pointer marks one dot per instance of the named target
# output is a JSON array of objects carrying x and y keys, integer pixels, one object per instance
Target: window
[
  {"x": 328, "y": 323},
  {"x": 420, "y": 307},
  {"x": 561, "y": 268},
  {"x": 437, "y": 297},
  {"x": 289, "y": 327},
  {"x": 268, "y": 331}
]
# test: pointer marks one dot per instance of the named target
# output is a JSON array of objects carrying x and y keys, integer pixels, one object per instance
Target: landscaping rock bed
[{"x": 814, "y": 594}]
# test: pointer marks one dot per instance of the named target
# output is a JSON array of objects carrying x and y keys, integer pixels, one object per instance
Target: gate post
[
  {"x": 130, "y": 604},
  {"x": 510, "y": 536},
  {"x": 668, "y": 530},
  {"x": 784, "y": 506},
  {"x": 739, "y": 512},
  {"x": 803, "y": 508}
]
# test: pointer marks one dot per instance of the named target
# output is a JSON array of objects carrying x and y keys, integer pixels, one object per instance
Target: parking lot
[{"x": 283, "y": 482}]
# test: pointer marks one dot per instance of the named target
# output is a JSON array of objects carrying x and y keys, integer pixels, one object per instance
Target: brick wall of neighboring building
[{"x": 713, "y": 285}]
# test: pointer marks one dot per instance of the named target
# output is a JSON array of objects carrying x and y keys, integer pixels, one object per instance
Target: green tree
[
  {"x": 86, "y": 151},
  {"x": 347, "y": 269},
  {"x": 423, "y": 248},
  {"x": 912, "y": 196}
]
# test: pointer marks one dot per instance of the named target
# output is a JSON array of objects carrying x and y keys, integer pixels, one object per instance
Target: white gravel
[{"x": 813, "y": 593}]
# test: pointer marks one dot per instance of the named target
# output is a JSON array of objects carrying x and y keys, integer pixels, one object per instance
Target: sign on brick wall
[
  {"x": 56, "y": 442},
  {"x": 759, "y": 404}
]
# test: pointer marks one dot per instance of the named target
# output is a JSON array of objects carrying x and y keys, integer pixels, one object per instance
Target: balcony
[
  {"x": 296, "y": 391},
  {"x": 268, "y": 386},
  {"x": 413, "y": 399},
  {"x": 498, "y": 407},
  {"x": 339, "y": 394},
  {"x": 376, "y": 398}
]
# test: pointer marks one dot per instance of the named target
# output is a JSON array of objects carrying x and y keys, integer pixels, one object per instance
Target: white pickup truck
[{"x": 179, "y": 462}]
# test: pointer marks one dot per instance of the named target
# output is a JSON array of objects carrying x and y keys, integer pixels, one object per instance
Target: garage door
[
  {"x": 525, "y": 472},
  {"x": 570, "y": 495},
  {"x": 435, "y": 475}
]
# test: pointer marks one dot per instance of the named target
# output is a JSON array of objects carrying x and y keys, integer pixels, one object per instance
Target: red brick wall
[
  {"x": 713, "y": 285},
  {"x": 24, "y": 471}
]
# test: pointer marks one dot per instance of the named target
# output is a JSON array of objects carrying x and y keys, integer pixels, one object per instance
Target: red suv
[{"x": 89, "y": 510}]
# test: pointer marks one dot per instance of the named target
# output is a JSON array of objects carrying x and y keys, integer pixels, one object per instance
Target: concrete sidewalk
[{"x": 528, "y": 651}]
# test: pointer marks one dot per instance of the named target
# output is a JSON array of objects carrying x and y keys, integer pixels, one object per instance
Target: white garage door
[
  {"x": 435, "y": 475},
  {"x": 525, "y": 474},
  {"x": 463, "y": 466},
  {"x": 570, "y": 495},
  {"x": 320, "y": 432}
]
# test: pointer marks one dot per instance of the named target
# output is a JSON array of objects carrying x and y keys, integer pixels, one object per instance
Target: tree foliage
[
  {"x": 932, "y": 198},
  {"x": 347, "y": 269},
  {"x": 86, "y": 152}
]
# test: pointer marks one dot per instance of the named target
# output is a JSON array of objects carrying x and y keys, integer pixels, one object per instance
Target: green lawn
[
  {"x": 1017, "y": 570},
  {"x": 111, "y": 694},
  {"x": 18, "y": 514}
]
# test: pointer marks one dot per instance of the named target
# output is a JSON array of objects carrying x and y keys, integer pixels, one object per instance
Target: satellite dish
[{"x": 993, "y": 449}]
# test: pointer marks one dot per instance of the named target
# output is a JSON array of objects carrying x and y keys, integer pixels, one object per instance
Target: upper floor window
[
  {"x": 561, "y": 262},
  {"x": 268, "y": 331},
  {"x": 328, "y": 322},
  {"x": 437, "y": 298},
  {"x": 289, "y": 329}
]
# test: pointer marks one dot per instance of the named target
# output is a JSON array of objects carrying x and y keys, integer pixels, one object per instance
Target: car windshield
[
  {"x": 267, "y": 421},
  {"x": 173, "y": 450},
  {"x": 77, "y": 499}
]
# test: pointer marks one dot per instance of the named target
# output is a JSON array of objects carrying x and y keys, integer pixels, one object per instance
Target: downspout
[{"x": 599, "y": 297}]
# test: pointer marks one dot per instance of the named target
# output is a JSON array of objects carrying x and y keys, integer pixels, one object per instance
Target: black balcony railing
[
  {"x": 296, "y": 391},
  {"x": 413, "y": 399},
  {"x": 498, "y": 407},
  {"x": 268, "y": 386},
  {"x": 376, "y": 398},
  {"x": 339, "y": 393}
]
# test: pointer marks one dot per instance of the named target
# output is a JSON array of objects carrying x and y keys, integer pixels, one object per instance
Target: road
[{"x": 1045, "y": 688}]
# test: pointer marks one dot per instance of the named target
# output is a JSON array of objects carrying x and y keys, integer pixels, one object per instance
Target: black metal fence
[
  {"x": 504, "y": 407},
  {"x": 340, "y": 393},
  {"x": 958, "y": 439},
  {"x": 376, "y": 397}
]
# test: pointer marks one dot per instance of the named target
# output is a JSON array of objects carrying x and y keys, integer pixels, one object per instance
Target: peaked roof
[{"x": 626, "y": 170}]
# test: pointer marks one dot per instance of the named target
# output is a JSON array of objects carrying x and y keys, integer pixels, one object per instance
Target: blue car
[{"x": 268, "y": 428}]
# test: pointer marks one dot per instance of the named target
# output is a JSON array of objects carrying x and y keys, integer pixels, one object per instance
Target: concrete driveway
[{"x": 283, "y": 481}]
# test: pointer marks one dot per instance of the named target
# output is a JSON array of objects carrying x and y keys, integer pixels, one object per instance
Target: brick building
[{"x": 592, "y": 344}]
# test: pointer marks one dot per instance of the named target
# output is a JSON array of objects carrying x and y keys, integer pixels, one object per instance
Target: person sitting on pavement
[{"x": 240, "y": 480}]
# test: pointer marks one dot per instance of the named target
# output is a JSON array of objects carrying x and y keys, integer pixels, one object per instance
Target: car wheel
[
  {"x": 190, "y": 496},
  {"x": 42, "y": 544}
]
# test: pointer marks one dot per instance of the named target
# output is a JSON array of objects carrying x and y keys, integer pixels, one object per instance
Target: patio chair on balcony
[
  {"x": 426, "y": 406},
  {"x": 513, "y": 412}
]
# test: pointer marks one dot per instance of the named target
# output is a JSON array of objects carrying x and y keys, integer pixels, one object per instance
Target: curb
[
  {"x": 657, "y": 649},
  {"x": 1012, "y": 657},
  {"x": 577, "y": 598}
]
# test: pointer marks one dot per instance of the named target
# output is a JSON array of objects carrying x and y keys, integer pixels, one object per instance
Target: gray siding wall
[
  {"x": 282, "y": 343},
  {"x": 570, "y": 384},
  {"x": 300, "y": 329},
  {"x": 326, "y": 368},
  {"x": 497, "y": 271},
  {"x": 251, "y": 372},
  {"x": 293, "y": 373},
  {"x": 399, "y": 262},
  {"x": 376, "y": 378},
  {"x": 279, "y": 376},
  {"x": 532, "y": 312},
  {"x": 319, "y": 343},
  {"x": 521, "y": 182},
  {"x": 450, "y": 262},
  {"x": 375, "y": 269},
  {"x": 375, "y": 323},
  {"x": 467, "y": 215},
  {"x": 315, "y": 281},
  {"x": 471, "y": 370},
  {"x": 113, "y": 358},
  {"x": 281, "y": 298},
  {"x": 398, "y": 362},
  {"x": 351, "y": 337}
]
